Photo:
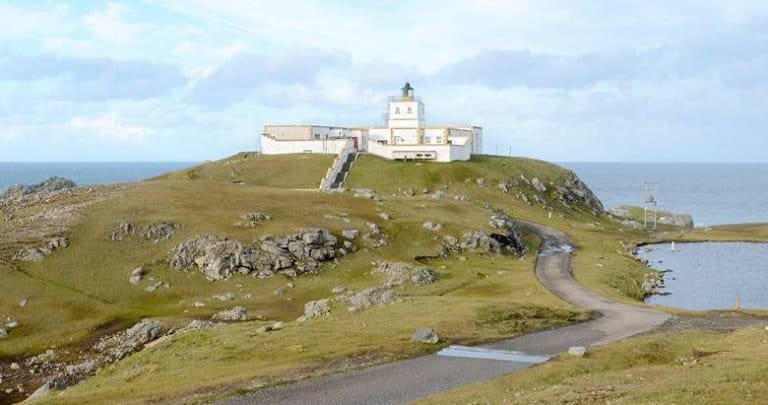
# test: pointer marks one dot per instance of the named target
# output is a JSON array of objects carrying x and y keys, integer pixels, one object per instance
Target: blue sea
[
  {"x": 714, "y": 193},
  {"x": 84, "y": 173}
]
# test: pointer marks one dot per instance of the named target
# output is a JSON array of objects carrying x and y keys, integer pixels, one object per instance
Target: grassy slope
[
  {"x": 730, "y": 368},
  {"x": 87, "y": 282},
  {"x": 204, "y": 200}
]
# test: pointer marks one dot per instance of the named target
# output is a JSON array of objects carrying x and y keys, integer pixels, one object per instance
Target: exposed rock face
[
  {"x": 425, "y": 335},
  {"x": 232, "y": 315},
  {"x": 511, "y": 237},
  {"x": 253, "y": 219},
  {"x": 117, "y": 346},
  {"x": 574, "y": 191},
  {"x": 398, "y": 273},
  {"x": 538, "y": 185},
  {"x": 36, "y": 254},
  {"x": 50, "y": 185},
  {"x": 156, "y": 231},
  {"x": 318, "y": 308},
  {"x": 292, "y": 255},
  {"x": 370, "y": 297}
]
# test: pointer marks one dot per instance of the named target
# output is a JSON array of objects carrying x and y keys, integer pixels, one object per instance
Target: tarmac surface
[{"x": 407, "y": 380}]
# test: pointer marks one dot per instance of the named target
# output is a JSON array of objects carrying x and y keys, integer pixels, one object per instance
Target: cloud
[
  {"x": 249, "y": 76},
  {"x": 108, "y": 127},
  {"x": 91, "y": 79},
  {"x": 110, "y": 25}
]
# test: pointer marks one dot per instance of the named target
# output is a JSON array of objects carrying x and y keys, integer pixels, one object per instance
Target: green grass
[
  {"x": 484, "y": 298},
  {"x": 664, "y": 368}
]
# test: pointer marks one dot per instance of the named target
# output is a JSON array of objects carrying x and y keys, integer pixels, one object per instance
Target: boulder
[
  {"x": 199, "y": 324},
  {"x": 350, "y": 234},
  {"x": 385, "y": 216},
  {"x": 461, "y": 198},
  {"x": 439, "y": 195},
  {"x": 574, "y": 191},
  {"x": 538, "y": 185},
  {"x": 231, "y": 315},
  {"x": 121, "y": 344},
  {"x": 432, "y": 226},
  {"x": 136, "y": 275},
  {"x": 31, "y": 255},
  {"x": 370, "y": 297},
  {"x": 397, "y": 273},
  {"x": 577, "y": 351},
  {"x": 364, "y": 193},
  {"x": 318, "y": 308},
  {"x": 23, "y": 303},
  {"x": 425, "y": 335},
  {"x": 79, "y": 369}
]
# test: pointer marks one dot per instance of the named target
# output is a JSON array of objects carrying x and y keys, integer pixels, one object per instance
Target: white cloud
[
  {"x": 110, "y": 24},
  {"x": 108, "y": 127}
]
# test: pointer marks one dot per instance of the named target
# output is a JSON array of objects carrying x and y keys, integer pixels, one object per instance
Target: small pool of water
[{"x": 711, "y": 275}]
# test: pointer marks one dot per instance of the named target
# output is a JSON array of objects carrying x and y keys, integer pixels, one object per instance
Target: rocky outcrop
[
  {"x": 291, "y": 255},
  {"x": 253, "y": 219},
  {"x": 48, "y": 186},
  {"x": 370, "y": 297},
  {"x": 156, "y": 231},
  {"x": 235, "y": 314},
  {"x": 36, "y": 254},
  {"x": 374, "y": 238},
  {"x": 398, "y": 273},
  {"x": 679, "y": 220},
  {"x": 316, "y": 309},
  {"x": 510, "y": 236},
  {"x": 573, "y": 191},
  {"x": 117, "y": 346}
]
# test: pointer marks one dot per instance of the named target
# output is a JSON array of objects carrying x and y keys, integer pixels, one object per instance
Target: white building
[{"x": 406, "y": 136}]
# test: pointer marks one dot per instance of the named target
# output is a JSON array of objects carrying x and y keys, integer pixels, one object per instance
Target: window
[
  {"x": 397, "y": 110},
  {"x": 427, "y": 139},
  {"x": 409, "y": 110},
  {"x": 438, "y": 139}
]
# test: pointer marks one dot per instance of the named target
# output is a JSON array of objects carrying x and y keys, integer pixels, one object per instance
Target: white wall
[
  {"x": 401, "y": 117},
  {"x": 443, "y": 153},
  {"x": 405, "y": 136},
  {"x": 270, "y": 146}
]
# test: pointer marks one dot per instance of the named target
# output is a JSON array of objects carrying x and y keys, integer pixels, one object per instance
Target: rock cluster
[
  {"x": 425, "y": 335},
  {"x": 374, "y": 238},
  {"x": 231, "y": 315},
  {"x": 156, "y": 231},
  {"x": 369, "y": 297},
  {"x": 118, "y": 346},
  {"x": 574, "y": 191},
  {"x": 570, "y": 191},
  {"x": 398, "y": 273},
  {"x": 291, "y": 255},
  {"x": 50, "y": 185},
  {"x": 136, "y": 275},
  {"x": 253, "y": 219},
  {"x": 36, "y": 254},
  {"x": 316, "y": 309}
]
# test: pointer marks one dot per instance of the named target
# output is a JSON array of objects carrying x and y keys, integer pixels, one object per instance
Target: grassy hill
[{"x": 80, "y": 292}]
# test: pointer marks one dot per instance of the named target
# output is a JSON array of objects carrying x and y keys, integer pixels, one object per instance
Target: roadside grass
[{"x": 683, "y": 367}]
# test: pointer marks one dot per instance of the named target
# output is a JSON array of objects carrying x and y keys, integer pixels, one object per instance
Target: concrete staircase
[
  {"x": 338, "y": 172},
  {"x": 338, "y": 182}
]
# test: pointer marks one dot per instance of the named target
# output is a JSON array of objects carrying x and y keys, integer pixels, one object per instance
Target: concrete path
[{"x": 406, "y": 380}]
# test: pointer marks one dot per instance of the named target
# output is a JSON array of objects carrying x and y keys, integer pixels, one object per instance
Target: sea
[
  {"x": 713, "y": 193},
  {"x": 84, "y": 173}
]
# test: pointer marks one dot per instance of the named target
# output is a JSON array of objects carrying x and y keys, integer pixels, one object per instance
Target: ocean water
[
  {"x": 737, "y": 269},
  {"x": 713, "y": 193},
  {"x": 84, "y": 173}
]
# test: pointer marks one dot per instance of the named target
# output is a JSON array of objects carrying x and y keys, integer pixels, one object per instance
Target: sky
[{"x": 570, "y": 80}]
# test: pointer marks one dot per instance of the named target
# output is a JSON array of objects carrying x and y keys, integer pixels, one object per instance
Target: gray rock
[
  {"x": 350, "y": 234},
  {"x": 253, "y": 219},
  {"x": 439, "y": 195},
  {"x": 432, "y": 226},
  {"x": 31, "y": 255},
  {"x": 79, "y": 369},
  {"x": 385, "y": 216},
  {"x": 199, "y": 324},
  {"x": 461, "y": 198},
  {"x": 364, "y": 193},
  {"x": 23, "y": 303},
  {"x": 398, "y": 273},
  {"x": 318, "y": 308},
  {"x": 3, "y": 333},
  {"x": 121, "y": 344},
  {"x": 425, "y": 335},
  {"x": 577, "y": 351},
  {"x": 160, "y": 230},
  {"x": 270, "y": 328},
  {"x": 480, "y": 181},
  {"x": 538, "y": 185},
  {"x": 136, "y": 275},
  {"x": 370, "y": 297},
  {"x": 232, "y": 315},
  {"x": 225, "y": 297},
  {"x": 50, "y": 185},
  {"x": 42, "y": 358}
]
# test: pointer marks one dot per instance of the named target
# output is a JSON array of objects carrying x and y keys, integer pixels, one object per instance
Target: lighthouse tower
[{"x": 406, "y": 111}]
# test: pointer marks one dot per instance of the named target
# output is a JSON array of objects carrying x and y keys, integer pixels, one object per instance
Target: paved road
[{"x": 406, "y": 380}]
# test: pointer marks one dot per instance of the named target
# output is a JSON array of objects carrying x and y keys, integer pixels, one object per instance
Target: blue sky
[{"x": 557, "y": 80}]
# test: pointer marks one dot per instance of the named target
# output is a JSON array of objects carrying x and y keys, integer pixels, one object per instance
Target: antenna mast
[{"x": 651, "y": 204}]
